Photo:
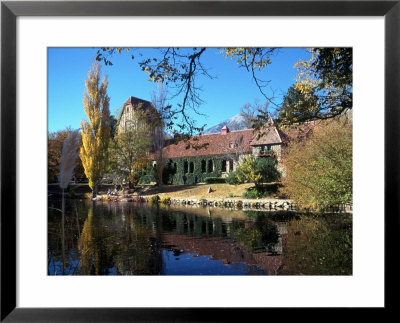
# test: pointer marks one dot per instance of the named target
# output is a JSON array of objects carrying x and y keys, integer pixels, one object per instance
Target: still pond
[{"x": 111, "y": 238}]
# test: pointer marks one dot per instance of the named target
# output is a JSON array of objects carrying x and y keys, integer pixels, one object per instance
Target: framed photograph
[{"x": 61, "y": 235}]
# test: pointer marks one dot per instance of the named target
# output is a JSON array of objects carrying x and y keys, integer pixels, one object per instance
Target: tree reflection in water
[
  {"x": 319, "y": 245},
  {"x": 129, "y": 239}
]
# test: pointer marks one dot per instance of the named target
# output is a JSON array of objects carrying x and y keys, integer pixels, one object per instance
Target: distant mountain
[{"x": 237, "y": 122}]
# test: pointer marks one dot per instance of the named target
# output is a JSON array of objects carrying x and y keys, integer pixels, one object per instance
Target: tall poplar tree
[{"x": 96, "y": 131}]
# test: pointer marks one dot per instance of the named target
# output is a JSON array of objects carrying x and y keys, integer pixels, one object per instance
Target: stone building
[
  {"x": 222, "y": 152},
  {"x": 137, "y": 112}
]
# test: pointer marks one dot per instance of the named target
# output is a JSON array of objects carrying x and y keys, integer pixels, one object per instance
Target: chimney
[{"x": 224, "y": 130}]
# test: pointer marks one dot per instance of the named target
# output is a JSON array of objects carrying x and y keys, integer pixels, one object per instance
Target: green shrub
[
  {"x": 258, "y": 170},
  {"x": 250, "y": 193},
  {"x": 233, "y": 179},
  {"x": 215, "y": 180},
  {"x": 260, "y": 192},
  {"x": 267, "y": 168}
]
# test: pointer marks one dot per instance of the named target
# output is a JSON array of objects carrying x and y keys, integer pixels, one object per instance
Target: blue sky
[{"x": 223, "y": 96}]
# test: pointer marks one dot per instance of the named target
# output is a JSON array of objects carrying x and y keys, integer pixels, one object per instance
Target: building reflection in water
[{"x": 124, "y": 239}]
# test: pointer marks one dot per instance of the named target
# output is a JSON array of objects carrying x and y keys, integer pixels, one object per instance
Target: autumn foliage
[
  {"x": 318, "y": 171},
  {"x": 129, "y": 150},
  {"x": 96, "y": 131},
  {"x": 323, "y": 88}
]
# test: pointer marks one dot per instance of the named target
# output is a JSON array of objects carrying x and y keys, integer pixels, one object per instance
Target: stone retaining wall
[
  {"x": 236, "y": 203},
  {"x": 245, "y": 204},
  {"x": 266, "y": 204}
]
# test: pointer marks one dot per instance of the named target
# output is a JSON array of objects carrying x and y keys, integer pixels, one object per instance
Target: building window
[
  {"x": 203, "y": 166},
  {"x": 210, "y": 166},
  {"x": 262, "y": 149},
  {"x": 269, "y": 147},
  {"x": 224, "y": 165},
  {"x": 185, "y": 167},
  {"x": 230, "y": 165},
  {"x": 191, "y": 170},
  {"x": 128, "y": 125}
]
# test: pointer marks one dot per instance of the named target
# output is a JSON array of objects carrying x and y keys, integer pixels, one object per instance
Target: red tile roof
[
  {"x": 218, "y": 144},
  {"x": 231, "y": 142}
]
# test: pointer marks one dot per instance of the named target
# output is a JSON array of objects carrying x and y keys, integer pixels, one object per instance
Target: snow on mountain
[{"x": 237, "y": 122}]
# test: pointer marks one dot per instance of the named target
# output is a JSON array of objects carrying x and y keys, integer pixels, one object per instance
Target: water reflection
[{"x": 124, "y": 239}]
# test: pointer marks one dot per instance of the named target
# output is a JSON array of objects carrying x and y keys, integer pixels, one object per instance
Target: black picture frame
[{"x": 10, "y": 10}]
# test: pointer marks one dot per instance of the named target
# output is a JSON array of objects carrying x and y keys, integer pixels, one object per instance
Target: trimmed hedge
[
  {"x": 215, "y": 180},
  {"x": 232, "y": 178}
]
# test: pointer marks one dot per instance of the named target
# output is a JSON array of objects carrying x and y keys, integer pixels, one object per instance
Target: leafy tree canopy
[
  {"x": 129, "y": 149},
  {"x": 323, "y": 89}
]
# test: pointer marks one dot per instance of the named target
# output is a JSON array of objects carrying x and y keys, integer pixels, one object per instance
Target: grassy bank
[
  {"x": 218, "y": 191},
  {"x": 199, "y": 191}
]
